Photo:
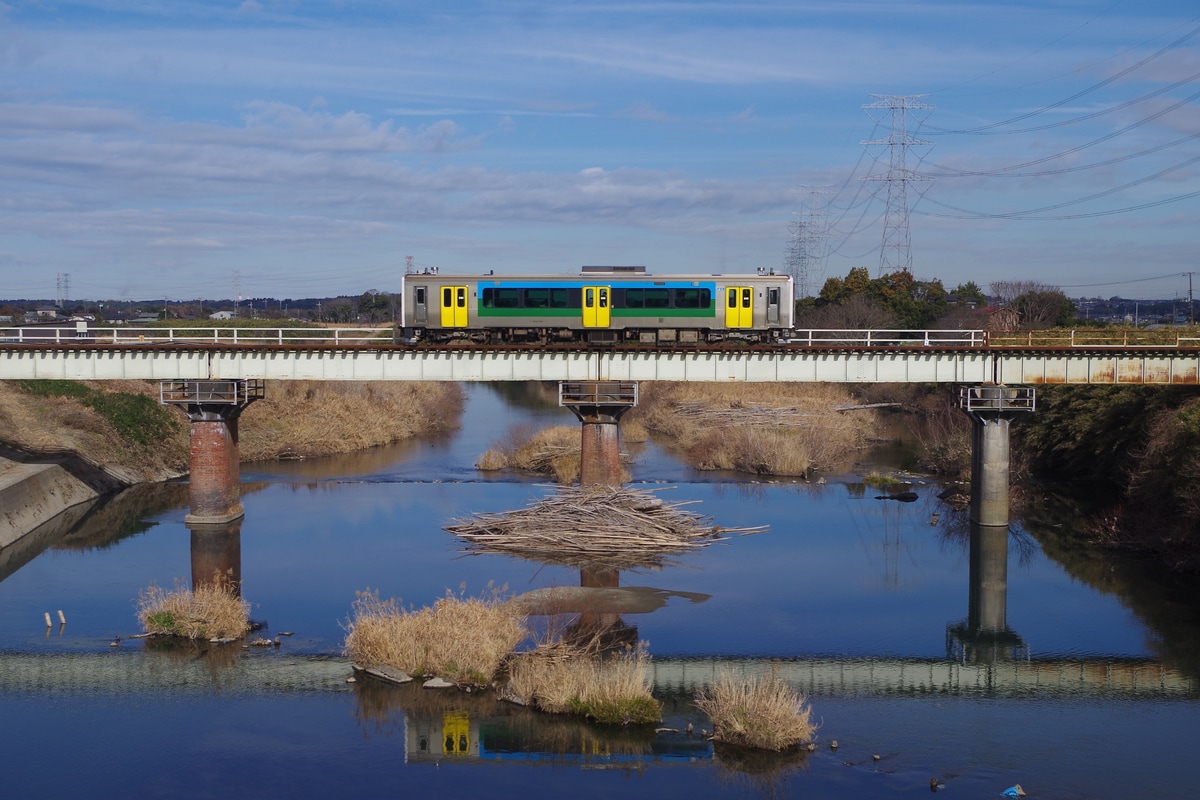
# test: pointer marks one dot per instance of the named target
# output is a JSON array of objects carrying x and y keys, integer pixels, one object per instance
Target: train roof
[{"x": 595, "y": 275}]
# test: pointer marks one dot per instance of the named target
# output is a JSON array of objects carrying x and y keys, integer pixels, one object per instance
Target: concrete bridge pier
[
  {"x": 991, "y": 408},
  {"x": 599, "y": 406},
  {"x": 213, "y": 407}
]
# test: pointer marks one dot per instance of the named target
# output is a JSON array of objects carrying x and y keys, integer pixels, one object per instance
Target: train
[{"x": 603, "y": 305}]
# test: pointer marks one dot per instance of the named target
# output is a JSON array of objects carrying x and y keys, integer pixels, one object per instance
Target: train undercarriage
[{"x": 682, "y": 337}]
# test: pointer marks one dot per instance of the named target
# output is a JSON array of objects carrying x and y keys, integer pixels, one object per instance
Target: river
[{"x": 865, "y": 605}]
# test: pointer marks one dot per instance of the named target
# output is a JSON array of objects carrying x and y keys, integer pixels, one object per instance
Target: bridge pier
[
  {"x": 991, "y": 408},
  {"x": 599, "y": 406},
  {"x": 213, "y": 407}
]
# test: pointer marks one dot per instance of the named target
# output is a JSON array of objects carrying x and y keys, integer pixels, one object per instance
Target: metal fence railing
[{"x": 84, "y": 333}]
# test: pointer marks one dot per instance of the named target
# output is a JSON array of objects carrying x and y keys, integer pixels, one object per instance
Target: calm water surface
[{"x": 864, "y": 604}]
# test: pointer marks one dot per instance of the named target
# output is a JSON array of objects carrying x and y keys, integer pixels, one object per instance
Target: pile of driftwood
[
  {"x": 615, "y": 528},
  {"x": 754, "y": 414},
  {"x": 747, "y": 414}
]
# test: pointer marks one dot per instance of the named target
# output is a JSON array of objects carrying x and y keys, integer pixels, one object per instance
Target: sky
[{"x": 181, "y": 149}]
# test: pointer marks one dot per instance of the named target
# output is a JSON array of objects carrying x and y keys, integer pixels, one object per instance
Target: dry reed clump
[
  {"x": 760, "y": 714},
  {"x": 550, "y": 451},
  {"x": 562, "y": 679},
  {"x": 208, "y": 612},
  {"x": 464, "y": 640},
  {"x": 776, "y": 429},
  {"x": 492, "y": 460},
  {"x": 303, "y": 419}
]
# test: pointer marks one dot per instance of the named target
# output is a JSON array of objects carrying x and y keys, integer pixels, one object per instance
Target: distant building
[{"x": 221, "y": 315}]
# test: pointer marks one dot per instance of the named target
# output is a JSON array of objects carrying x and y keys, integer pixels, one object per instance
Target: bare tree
[
  {"x": 859, "y": 312},
  {"x": 1007, "y": 291}
]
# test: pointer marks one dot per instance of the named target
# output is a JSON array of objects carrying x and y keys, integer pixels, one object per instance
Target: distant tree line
[{"x": 898, "y": 300}]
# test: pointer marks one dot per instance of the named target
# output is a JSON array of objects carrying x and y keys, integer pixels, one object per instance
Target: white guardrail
[{"x": 84, "y": 333}]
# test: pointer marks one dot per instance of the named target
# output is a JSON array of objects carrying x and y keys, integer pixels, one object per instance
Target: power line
[
  {"x": 932, "y": 130},
  {"x": 1030, "y": 214}
]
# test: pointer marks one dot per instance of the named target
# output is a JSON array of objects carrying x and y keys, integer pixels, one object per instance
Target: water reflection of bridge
[{"x": 230, "y": 669}]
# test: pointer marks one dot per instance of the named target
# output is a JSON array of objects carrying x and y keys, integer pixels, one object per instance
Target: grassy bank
[
  {"x": 768, "y": 429},
  {"x": 304, "y": 419},
  {"x": 119, "y": 427}
]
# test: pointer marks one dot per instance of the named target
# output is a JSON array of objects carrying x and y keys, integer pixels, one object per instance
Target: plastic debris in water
[{"x": 1014, "y": 791}]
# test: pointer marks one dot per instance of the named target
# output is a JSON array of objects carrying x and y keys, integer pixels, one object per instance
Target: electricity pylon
[
  {"x": 896, "y": 252},
  {"x": 804, "y": 257}
]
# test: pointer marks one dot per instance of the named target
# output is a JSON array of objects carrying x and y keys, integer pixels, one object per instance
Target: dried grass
[
  {"x": 64, "y": 425},
  {"x": 563, "y": 679},
  {"x": 768, "y": 429},
  {"x": 551, "y": 451},
  {"x": 760, "y": 714},
  {"x": 304, "y": 419},
  {"x": 464, "y": 640},
  {"x": 492, "y": 460},
  {"x": 213, "y": 611}
]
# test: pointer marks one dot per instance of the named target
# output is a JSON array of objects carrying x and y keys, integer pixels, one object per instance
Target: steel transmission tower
[
  {"x": 804, "y": 257},
  {"x": 896, "y": 252}
]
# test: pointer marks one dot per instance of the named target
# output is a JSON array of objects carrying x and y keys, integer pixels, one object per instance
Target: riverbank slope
[{"x": 66, "y": 442}]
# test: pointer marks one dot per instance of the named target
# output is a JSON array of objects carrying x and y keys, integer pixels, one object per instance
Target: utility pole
[
  {"x": 896, "y": 252},
  {"x": 1191, "y": 312}
]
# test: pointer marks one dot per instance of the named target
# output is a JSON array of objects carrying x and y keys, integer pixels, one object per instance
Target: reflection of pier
[
  {"x": 130, "y": 673},
  {"x": 984, "y": 636}
]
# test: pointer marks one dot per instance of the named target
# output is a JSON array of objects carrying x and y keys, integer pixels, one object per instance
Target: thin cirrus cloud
[{"x": 269, "y": 137}]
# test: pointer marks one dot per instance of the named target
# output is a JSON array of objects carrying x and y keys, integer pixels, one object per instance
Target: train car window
[
  {"x": 447, "y": 297},
  {"x": 635, "y": 298},
  {"x": 501, "y": 298},
  {"x": 420, "y": 295},
  {"x": 559, "y": 298},
  {"x": 658, "y": 298},
  {"x": 537, "y": 298},
  {"x": 692, "y": 298},
  {"x": 773, "y": 296}
]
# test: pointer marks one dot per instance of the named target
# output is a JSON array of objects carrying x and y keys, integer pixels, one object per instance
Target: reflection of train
[{"x": 602, "y": 305}]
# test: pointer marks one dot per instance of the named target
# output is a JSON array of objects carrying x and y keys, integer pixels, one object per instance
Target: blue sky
[{"x": 292, "y": 149}]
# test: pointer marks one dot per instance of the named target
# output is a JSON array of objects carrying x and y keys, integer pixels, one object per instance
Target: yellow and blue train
[{"x": 602, "y": 305}]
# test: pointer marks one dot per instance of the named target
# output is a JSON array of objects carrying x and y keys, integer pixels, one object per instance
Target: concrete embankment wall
[{"x": 33, "y": 493}]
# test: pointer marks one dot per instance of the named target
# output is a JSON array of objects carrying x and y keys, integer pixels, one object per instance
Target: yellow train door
[
  {"x": 597, "y": 309},
  {"x": 739, "y": 309},
  {"x": 454, "y": 306}
]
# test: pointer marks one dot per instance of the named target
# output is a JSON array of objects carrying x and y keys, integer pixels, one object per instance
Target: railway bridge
[{"x": 213, "y": 373}]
